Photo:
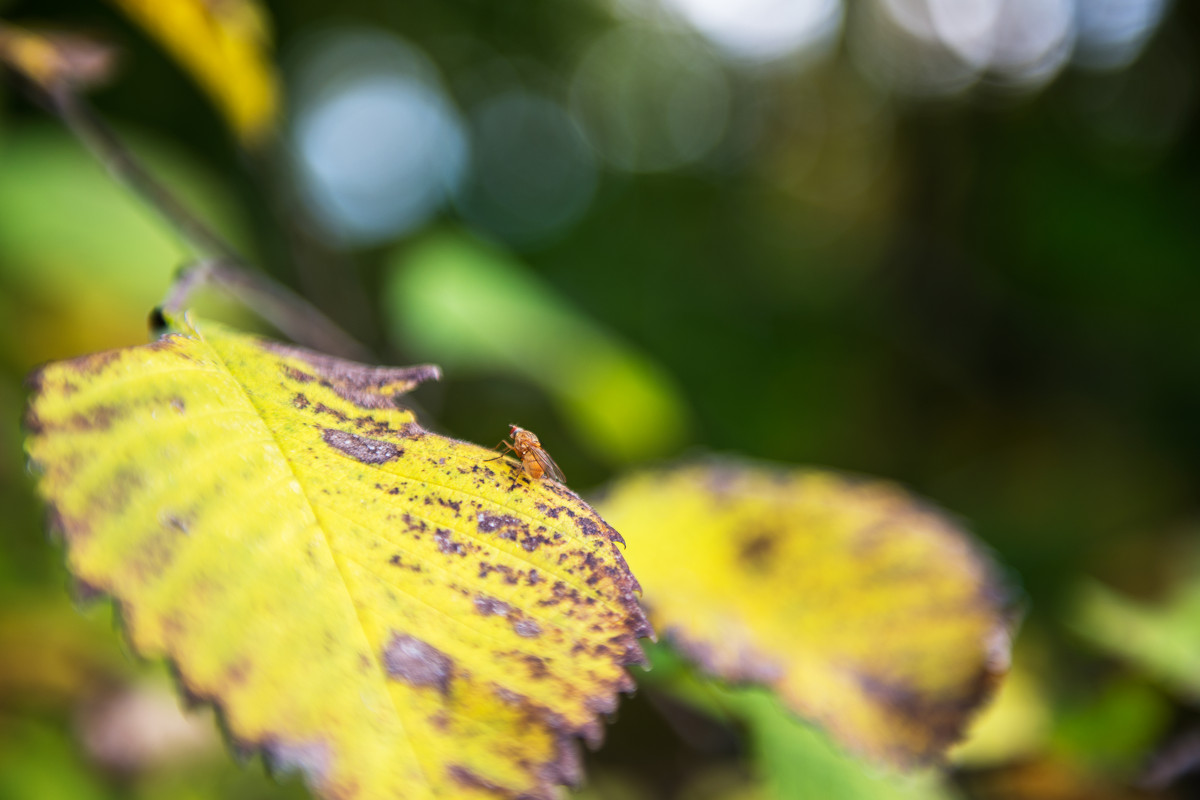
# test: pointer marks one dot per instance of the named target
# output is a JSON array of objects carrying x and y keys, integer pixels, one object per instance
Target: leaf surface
[
  {"x": 867, "y": 611},
  {"x": 382, "y": 608}
]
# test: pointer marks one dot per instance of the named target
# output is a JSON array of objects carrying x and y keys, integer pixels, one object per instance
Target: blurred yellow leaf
[
  {"x": 1015, "y": 725},
  {"x": 55, "y": 60},
  {"x": 225, "y": 45},
  {"x": 867, "y": 611},
  {"x": 384, "y": 609}
]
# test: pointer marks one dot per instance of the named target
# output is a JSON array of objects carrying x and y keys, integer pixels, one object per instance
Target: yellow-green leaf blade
[
  {"x": 864, "y": 609},
  {"x": 377, "y": 606}
]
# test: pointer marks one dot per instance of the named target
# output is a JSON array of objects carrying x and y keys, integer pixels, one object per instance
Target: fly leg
[{"x": 502, "y": 455}]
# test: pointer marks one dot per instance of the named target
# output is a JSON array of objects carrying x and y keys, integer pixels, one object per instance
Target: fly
[{"x": 537, "y": 462}]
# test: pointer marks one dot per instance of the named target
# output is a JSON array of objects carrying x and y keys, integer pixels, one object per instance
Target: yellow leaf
[
  {"x": 866, "y": 610},
  {"x": 1016, "y": 725},
  {"x": 382, "y": 608},
  {"x": 225, "y": 46}
]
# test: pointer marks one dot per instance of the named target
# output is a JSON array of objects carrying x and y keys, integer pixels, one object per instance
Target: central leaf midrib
[{"x": 250, "y": 401}]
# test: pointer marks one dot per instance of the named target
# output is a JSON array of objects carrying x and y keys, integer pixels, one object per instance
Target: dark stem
[
  {"x": 294, "y": 316},
  {"x": 221, "y": 266},
  {"x": 105, "y": 145}
]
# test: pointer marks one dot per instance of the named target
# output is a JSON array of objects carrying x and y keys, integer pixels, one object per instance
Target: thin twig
[
  {"x": 294, "y": 316},
  {"x": 108, "y": 149},
  {"x": 220, "y": 263}
]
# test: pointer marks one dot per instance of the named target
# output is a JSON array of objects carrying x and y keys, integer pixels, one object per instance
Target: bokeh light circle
[
  {"x": 1112, "y": 33},
  {"x": 377, "y": 144},
  {"x": 533, "y": 172},
  {"x": 650, "y": 100},
  {"x": 763, "y": 30}
]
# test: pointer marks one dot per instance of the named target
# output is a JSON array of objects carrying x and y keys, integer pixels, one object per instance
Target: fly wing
[{"x": 547, "y": 463}]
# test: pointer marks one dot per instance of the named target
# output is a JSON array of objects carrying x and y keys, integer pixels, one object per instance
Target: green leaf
[
  {"x": 393, "y": 613},
  {"x": 791, "y": 758},
  {"x": 1163, "y": 640}
]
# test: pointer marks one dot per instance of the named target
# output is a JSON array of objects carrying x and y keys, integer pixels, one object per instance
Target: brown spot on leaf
[
  {"x": 178, "y": 522},
  {"x": 587, "y": 527},
  {"x": 100, "y": 418},
  {"x": 237, "y": 674},
  {"x": 489, "y": 605},
  {"x": 537, "y": 666},
  {"x": 531, "y": 542},
  {"x": 365, "y": 386},
  {"x": 321, "y": 408},
  {"x": 97, "y": 362},
  {"x": 299, "y": 376},
  {"x": 361, "y": 448},
  {"x": 757, "y": 550},
  {"x": 398, "y": 561},
  {"x": 412, "y": 524},
  {"x": 527, "y": 628},
  {"x": 417, "y": 663},
  {"x": 504, "y": 526},
  {"x": 549, "y": 511},
  {"x": 446, "y": 543}
]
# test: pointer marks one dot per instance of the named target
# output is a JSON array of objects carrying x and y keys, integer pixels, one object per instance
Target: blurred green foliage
[
  {"x": 987, "y": 295},
  {"x": 793, "y": 758},
  {"x": 471, "y": 307}
]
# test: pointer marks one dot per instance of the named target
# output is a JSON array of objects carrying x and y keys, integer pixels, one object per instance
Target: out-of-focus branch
[
  {"x": 54, "y": 70},
  {"x": 87, "y": 126}
]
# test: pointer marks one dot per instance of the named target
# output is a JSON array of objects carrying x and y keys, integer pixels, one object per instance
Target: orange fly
[{"x": 537, "y": 461}]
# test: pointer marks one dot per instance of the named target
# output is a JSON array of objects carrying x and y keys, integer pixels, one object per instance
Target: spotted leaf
[
  {"x": 393, "y": 613},
  {"x": 866, "y": 610}
]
